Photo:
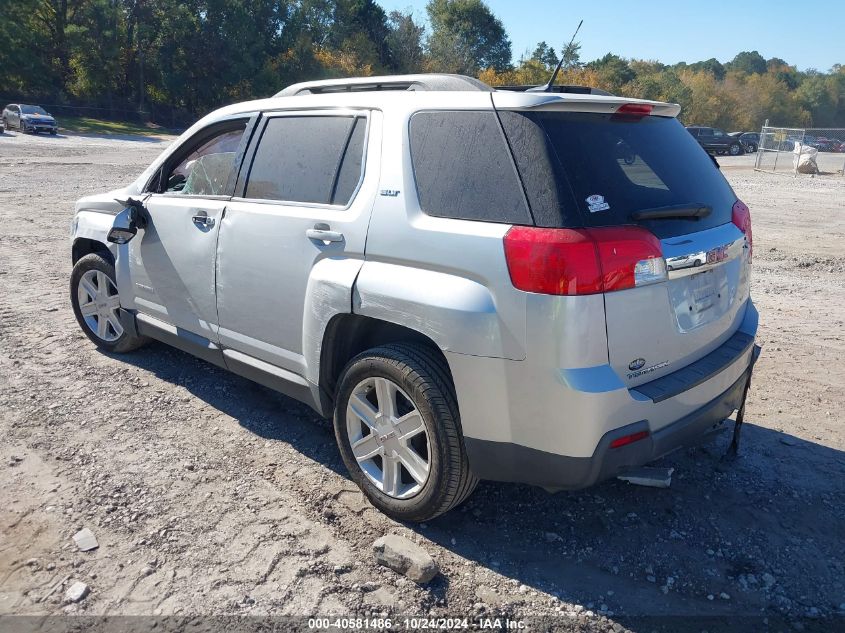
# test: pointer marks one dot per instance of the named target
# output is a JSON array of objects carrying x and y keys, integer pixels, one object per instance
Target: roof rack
[
  {"x": 427, "y": 82},
  {"x": 579, "y": 90}
]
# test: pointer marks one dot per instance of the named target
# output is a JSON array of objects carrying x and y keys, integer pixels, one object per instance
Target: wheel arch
[
  {"x": 347, "y": 335},
  {"x": 83, "y": 246}
]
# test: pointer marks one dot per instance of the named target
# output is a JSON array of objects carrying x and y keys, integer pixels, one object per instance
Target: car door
[
  {"x": 302, "y": 204},
  {"x": 170, "y": 269},
  {"x": 706, "y": 138}
]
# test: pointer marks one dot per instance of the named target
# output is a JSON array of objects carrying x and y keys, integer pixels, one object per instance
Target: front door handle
[
  {"x": 202, "y": 219},
  {"x": 323, "y": 233}
]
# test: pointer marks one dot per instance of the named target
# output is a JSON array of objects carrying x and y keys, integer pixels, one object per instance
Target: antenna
[{"x": 548, "y": 86}]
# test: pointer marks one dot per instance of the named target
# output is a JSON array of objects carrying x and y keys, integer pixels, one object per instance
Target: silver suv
[{"x": 539, "y": 287}]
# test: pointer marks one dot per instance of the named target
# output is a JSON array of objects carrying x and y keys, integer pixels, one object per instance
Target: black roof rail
[
  {"x": 579, "y": 90},
  {"x": 427, "y": 82}
]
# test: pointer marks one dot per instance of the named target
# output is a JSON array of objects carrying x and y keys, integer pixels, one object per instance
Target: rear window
[
  {"x": 615, "y": 166},
  {"x": 311, "y": 159},
  {"x": 463, "y": 168}
]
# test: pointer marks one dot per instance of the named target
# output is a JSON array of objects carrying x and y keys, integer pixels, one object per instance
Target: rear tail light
[
  {"x": 582, "y": 261},
  {"x": 741, "y": 216},
  {"x": 628, "y": 439}
]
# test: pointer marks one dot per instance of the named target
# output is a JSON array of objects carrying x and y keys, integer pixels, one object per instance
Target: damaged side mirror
[{"x": 127, "y": 222}]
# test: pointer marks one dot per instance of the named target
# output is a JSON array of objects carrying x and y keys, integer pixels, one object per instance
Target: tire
[
  {"x": 53, "y": 132},
  {"x": 422, "y": 381},
  {"x": 97, "y": 271},
  {"x": 735, "y": 149}
]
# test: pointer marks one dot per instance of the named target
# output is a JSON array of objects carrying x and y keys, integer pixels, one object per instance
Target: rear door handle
[{"x": 323, "y": 233}]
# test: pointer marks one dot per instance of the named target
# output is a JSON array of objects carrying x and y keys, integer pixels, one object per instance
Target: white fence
[{"x": 782, "y": 149}]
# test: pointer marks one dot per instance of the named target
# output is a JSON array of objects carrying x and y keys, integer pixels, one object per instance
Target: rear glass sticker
[{"x": 596, "y": 203}]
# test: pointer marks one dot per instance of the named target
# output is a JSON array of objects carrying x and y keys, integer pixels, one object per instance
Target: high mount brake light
[
  {"x": 741, "y": 216},
  {"x": 635, "y": 109},
  {"x": 582, "y": 261}
]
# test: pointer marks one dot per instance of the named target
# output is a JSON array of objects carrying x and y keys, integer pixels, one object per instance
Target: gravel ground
[{"x": 209, "y": 494}]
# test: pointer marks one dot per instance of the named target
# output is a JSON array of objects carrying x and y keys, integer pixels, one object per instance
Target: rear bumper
[{"x": 503, "y": 461}]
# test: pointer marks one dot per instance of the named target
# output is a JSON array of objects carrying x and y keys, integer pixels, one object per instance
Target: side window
[
  {"x": 705, "y": 131},
  {"x": 463, "y": 168},
  {"x": 311, "y": 159},
  {"x": 205, "y": 169},
  {"x": 717, "y": 132}
]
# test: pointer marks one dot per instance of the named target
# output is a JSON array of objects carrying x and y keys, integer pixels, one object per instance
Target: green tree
[
  {"x": 613, "y": 71},
  {"x": 466, "y": 37},
  {"x": 545, "y": 54},
  {"x": 405, "y": 41},
  {"x": 26, "y": 52},
  {"x": 748, "y": 62},
  {"x": 712, "y": 66},
  {"x": 571, "y": 53}
]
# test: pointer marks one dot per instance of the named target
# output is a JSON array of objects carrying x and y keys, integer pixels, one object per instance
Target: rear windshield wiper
[{"x": 692, "y": 211}]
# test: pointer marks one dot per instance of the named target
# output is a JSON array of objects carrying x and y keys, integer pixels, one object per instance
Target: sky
[{"x": 670, "y": 32}]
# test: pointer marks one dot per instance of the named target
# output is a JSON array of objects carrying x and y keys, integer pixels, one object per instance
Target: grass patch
[{"x": 84, "y": 125}]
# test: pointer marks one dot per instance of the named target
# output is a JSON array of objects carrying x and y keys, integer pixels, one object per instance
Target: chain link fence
[{"x": 785, "y": 150}]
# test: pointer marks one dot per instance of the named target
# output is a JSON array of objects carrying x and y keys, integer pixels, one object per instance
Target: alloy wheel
[
  {"x": 98, "y": 304},
  {"x": 388, "y": 437}
]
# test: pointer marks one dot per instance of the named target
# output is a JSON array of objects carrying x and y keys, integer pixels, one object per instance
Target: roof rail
[
  {"x": 428, "y": 82},
  {"x": 580, "y": 90}
]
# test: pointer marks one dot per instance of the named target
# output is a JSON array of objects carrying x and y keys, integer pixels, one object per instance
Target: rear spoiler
[{"x": 575, "y": 102}]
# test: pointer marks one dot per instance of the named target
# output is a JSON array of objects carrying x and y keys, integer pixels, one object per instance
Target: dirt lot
[{"x": 211, "y": 495}]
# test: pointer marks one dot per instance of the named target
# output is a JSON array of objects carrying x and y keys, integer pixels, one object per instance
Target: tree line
[{"x": 174, "y": 60}]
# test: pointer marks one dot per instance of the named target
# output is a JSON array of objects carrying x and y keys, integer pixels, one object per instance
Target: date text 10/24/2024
[{"x": 416, "y": 624}]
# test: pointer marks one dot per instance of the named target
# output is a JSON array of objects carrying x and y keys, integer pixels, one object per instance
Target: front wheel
[
  {"x": 397, "y": 425},
  {"x": 96, "y": 305},
  {"x": 735, "y": 149}
]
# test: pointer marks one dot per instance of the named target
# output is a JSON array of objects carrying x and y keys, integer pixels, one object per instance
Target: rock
[
  {"x": 488, "y": 596},
  {"x": 405, "y": 557},
  {"x": 768, "y": 580},
  {"x": 85, "y": 540},
  {"x": 77, "y": 592},
  {"x": 724, "y": 596},
  {"x": 552, "y": 537}
]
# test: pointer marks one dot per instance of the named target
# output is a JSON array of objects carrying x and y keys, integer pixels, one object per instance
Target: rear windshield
[{"x": 612, "y": 167}]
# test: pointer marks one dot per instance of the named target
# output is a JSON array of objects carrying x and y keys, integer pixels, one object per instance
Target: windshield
[
  {"x": 615, "y": 166},
  {"x": 28, "y": 109}
]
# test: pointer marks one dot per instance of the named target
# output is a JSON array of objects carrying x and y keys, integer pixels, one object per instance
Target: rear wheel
[
  {"x": 397, "y": 425},
  {"x": 96, "y": 304}
]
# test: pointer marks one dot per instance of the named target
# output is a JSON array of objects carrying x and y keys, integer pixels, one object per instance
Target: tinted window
[
  {"x": 316, "y": 159},
  {"x": 205, "y": 170},
  {"x": 463, "y": 168},
  {"x": 618, "y": 165}
]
